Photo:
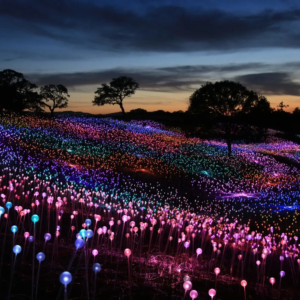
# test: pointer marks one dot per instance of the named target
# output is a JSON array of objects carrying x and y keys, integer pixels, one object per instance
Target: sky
[{"x": 170, "y": 47}]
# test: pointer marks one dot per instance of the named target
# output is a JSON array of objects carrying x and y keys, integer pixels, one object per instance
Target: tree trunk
[
  {"x": 52, "y": 112},
  {"x": 122, "y": 108}
]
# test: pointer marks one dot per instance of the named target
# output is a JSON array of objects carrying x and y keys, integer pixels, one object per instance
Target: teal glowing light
[
  {"x": 35, "y": 218},
  {"x": 82, "y": 233},
  {"x": 14, "y": 229},
  {"x": 2, "y": 210},
  {"x": 8, "y": 205}
]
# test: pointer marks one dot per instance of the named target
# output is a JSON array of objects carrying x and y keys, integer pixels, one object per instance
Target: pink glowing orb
[
  {"x": 127, "y": 252},
  {"x": 187, "y": 285},
  {"x": 199, "y": 251},
  {"x": 258, "y": 262},
  {"x": 272, "y": 280},
  {"x": 124, "y": 218},
  {"x": 240, "y": 256},
  {"x": 99, "y": 231},
  {"x": 217, "y": 271},
  {"x": 212, "y": 293},
  {"x": 243, "y": 283},
  {"x": 95, "y": 252},
  {"x": 26, "y": 235},
  {"x": 111, "y": 223},
  {"x": 193, "y": 294}
]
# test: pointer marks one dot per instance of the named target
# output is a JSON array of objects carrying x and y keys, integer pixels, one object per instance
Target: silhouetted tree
[
  {"x": 296, "y": 112},
  {"x": 222, "y": 103},
  {"x": 281, "y": 106},
  {"x": 17, "y": 93},
  {"x": 57, "y": 94},
  {"x": 114, "y": 93},
  {"x": 138, "y": 111}
]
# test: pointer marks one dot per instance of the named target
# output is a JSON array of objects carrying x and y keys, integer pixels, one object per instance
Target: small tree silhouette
[
  {"x": 281, "y": 106},
  {"x": 114, "y": 93},
  {"x": 58, "y": 94}
]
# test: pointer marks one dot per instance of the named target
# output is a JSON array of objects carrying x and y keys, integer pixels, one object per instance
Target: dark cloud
[
  {"x": 276, "y": 83},
  {"x": 184, "y": 78},
  {"x": 161, "y": 28}
]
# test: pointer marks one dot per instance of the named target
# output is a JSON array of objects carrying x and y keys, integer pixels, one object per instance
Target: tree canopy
[
  {"x": 17, "y": 93},
  {"x": 114, "y": 93},
  {"x": 57, "y": 94},
  {"x": 223, "y": 102}
]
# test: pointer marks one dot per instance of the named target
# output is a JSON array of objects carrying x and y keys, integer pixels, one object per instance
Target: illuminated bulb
[
  {"x": 17, "y": 249},
  {"x": 127, "y": 252},
  {"x": 35, "y": 218},
  {"x": 14, "y": 229},
  {"x": 65, "y": 278},
  {"x": 199, "y": 251},
  {"x": 282, "y": 273},
  {"x": 272, "y": 280},
  {"x": 187, "y": 285},
  {"x": 89, "y": 233},
  {"x": 79, "y": 243},
  {"x": 96, "y": 267},
  {"x": 193, "y": 294},
  {"x": 217, "y": 271},
  {"x": 243, "y": 283},
  {"x": 212, "y": 293},
  {"x": 40, "y": 256}
]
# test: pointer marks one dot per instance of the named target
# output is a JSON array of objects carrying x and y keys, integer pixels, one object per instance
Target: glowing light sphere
[
  {"x": 282, "y": 273},
  {"x": 65, "y": 278},
  {"x": 14, "y": 229},
  {"x": 243, "y": 283},
  {"x": 2, "y": 210},
  {"x": 88, "y": 222},
  {"x": 124, "y": 218},
  {"x": 40, "y": 256},
  {"x": 47, "y": 237},
  {"x": 82, "y": 233},
  {"x": 186, "y": 245},
  {"x": 35, "y": 218},
  {"x": 193, "y": 294},
  {"x": 212, "y": 293},
  {"x": 272, "y": 280},
  {"x": 187, "y": 285},
  {"x": 79, "y": 243},
  {"x": 96, "y": 267},
  {"x": 127, "y": 252},
  {"x": 17, "y": 249},
  {"x": 8, "y": 205},
  {"x": 258, "y": 262},
  {"x": 198, "y": 251},
  {"x": 26, "y": 235},
  {"x": 31, "y": 239},
  {"x": 89, "y": 233},
  {"x": 186, "y": 278},
  {"x": 95, "y": 252},
  {"x": 217, "y": 271}
]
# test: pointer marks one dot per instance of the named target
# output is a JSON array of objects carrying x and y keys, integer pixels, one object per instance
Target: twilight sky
[{"x": 170, "y": 47}]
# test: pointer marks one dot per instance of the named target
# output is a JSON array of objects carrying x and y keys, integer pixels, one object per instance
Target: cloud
[
  {"x": 271, "y": 83},
  {"x": 184, "y": 78},
  {"x": 165, "y": 28}
]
